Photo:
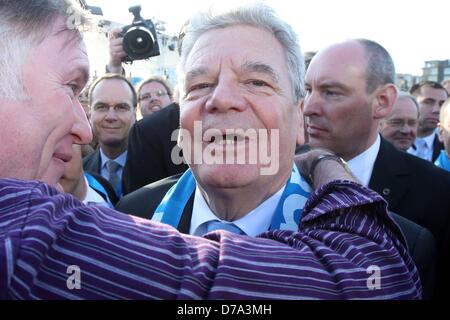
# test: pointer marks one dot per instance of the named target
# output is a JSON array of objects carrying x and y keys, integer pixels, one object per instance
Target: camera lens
[{"x": 138, "y": 43}]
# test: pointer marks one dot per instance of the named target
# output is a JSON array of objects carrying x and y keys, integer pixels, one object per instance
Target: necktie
[
  {"x": 218, "y": 225},
  {"x": 113, "y": 178}
]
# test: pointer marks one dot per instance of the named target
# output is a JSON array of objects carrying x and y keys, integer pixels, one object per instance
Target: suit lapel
[
  {"x": 437, "y": 147},
  {"x": 185, "y": 222},
  {"x": 97, "y": 162},
  {"x": 390, "y": 174}
]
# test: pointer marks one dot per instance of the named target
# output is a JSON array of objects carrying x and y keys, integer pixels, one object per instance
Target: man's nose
[
  {"x": 226, "y": 96},
  {"x": 81, "y": 129},
  {"x": 311, "y": 104},
  {"x": 405, "y": 128},
  {"x": 111, "y": 114},
  {"x": 436, "y": 108}
]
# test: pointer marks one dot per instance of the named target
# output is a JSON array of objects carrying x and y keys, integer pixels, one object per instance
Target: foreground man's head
[{"x": 44, "y": 67}]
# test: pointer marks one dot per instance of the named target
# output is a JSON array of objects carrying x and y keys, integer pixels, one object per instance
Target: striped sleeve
[{"x": 49, "y": 241}]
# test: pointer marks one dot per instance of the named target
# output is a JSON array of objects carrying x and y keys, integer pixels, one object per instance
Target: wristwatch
[{"x": 324, "y": 157}]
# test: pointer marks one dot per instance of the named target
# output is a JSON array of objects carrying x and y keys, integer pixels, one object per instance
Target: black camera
[{"x": 139, "y": 38}]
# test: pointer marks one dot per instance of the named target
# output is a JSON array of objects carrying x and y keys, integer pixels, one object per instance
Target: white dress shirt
[
  {"x": 253, "y": 223},
  {"x": 362, "y": 165},
  {"x": 93, "y": 197},
  {"x": 424, "y": 147}
]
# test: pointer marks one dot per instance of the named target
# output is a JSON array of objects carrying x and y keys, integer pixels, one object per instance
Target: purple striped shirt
[{"x": 345, "y": 230}]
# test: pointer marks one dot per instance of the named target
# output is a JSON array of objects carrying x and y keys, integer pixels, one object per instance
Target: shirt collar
[
  {"x": 362, "y": 165},
  {"x": 428, "y": 140},
  {"x": 253, "y": 223},
  {"x": 121, "y": 159}
]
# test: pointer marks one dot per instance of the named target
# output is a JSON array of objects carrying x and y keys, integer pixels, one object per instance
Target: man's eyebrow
[
  {"x": 260, "y": 67},
  {"x": 81, "y": 71},
  {"x": 334, "y": 84},
  {"x": 192, "y": 74}
]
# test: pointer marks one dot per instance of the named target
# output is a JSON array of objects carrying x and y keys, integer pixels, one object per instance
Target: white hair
[{"x": 23, "y": 25}]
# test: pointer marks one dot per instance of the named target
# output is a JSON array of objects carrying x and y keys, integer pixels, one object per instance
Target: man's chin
[
  {"x": 53, "y": 175},
  {"x": 227, "y": 176}
]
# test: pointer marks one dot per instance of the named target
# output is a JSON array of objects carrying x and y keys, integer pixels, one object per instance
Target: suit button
[{"x": 386, "y": 191}]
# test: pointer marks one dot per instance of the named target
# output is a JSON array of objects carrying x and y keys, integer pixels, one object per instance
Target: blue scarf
[
  {"x": 443, "y": 161},
  {"x": 287, "y": 214}
]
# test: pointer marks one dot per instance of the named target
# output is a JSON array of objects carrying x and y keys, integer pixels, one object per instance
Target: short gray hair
[
  {"x": 257, "y": 15},
  {"x": 380, "y": 66},
  {"x": 24, "y": 24}
]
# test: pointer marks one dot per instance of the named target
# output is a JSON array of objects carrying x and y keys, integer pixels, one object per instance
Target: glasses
[
  {"x": 149, "y": 95},
  {"x": 104, "y": 108},
  {"x": 399, "y": 123}
]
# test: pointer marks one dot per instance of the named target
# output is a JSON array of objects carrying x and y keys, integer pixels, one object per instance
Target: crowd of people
[{"x": 256, "y": 178}]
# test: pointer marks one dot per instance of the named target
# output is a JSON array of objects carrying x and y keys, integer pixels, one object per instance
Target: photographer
[{"x": 149, "y": 143}]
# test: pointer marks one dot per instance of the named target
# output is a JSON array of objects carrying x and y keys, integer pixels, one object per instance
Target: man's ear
[
  {"x": 384, "y": 100},
  {"x": 301, "y": 133}
]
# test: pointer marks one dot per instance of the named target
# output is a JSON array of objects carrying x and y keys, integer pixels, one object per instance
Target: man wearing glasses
[
  {"x": 112, "y": 102},
  {"x": 400, "y": 127},
  {"x": 154, "y": 94}
]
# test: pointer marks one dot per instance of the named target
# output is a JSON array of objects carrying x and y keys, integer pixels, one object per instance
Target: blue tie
[
  {"x": 218, "y": 225},
  {"x": 113, "y": 177}
]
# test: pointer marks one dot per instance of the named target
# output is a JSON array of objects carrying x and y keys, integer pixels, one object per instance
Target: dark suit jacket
[
  {"x": 437, "y": 147},
  {"x": 92, "y": 162},
  {"x": 420, "y": 192},
  {"x": 150, "y": 148},
  {"x": 421, "y": 244}
]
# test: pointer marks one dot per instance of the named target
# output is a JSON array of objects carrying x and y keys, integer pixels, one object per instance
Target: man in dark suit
[
  {"x": 112, "y": 100},
  {"x": 150, "y": 146},
  {"x": 431, "y": 96},
  {"x": 350, "y": 88}
]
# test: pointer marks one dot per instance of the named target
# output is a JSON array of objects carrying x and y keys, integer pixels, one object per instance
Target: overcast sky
[{"x": 412, "y": 31}]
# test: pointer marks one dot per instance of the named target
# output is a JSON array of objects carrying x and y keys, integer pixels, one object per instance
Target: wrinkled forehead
[
  {"x": 235, "y": 45},
  {"x": 151, "y": 86}
]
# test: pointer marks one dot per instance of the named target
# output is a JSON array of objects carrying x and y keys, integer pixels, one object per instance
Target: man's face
[
  {"x": 153, "y": 96},
  {"x": 37, "y": 135},
  {"x": 112, "y": 112},
  {"x": 237, "y": 78},
  {"x": 430, "y": 101},
  {"x": 337, "y": 108},
  {"x": 400, "y": 127},
  {"x": 73, "y": 171}
]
